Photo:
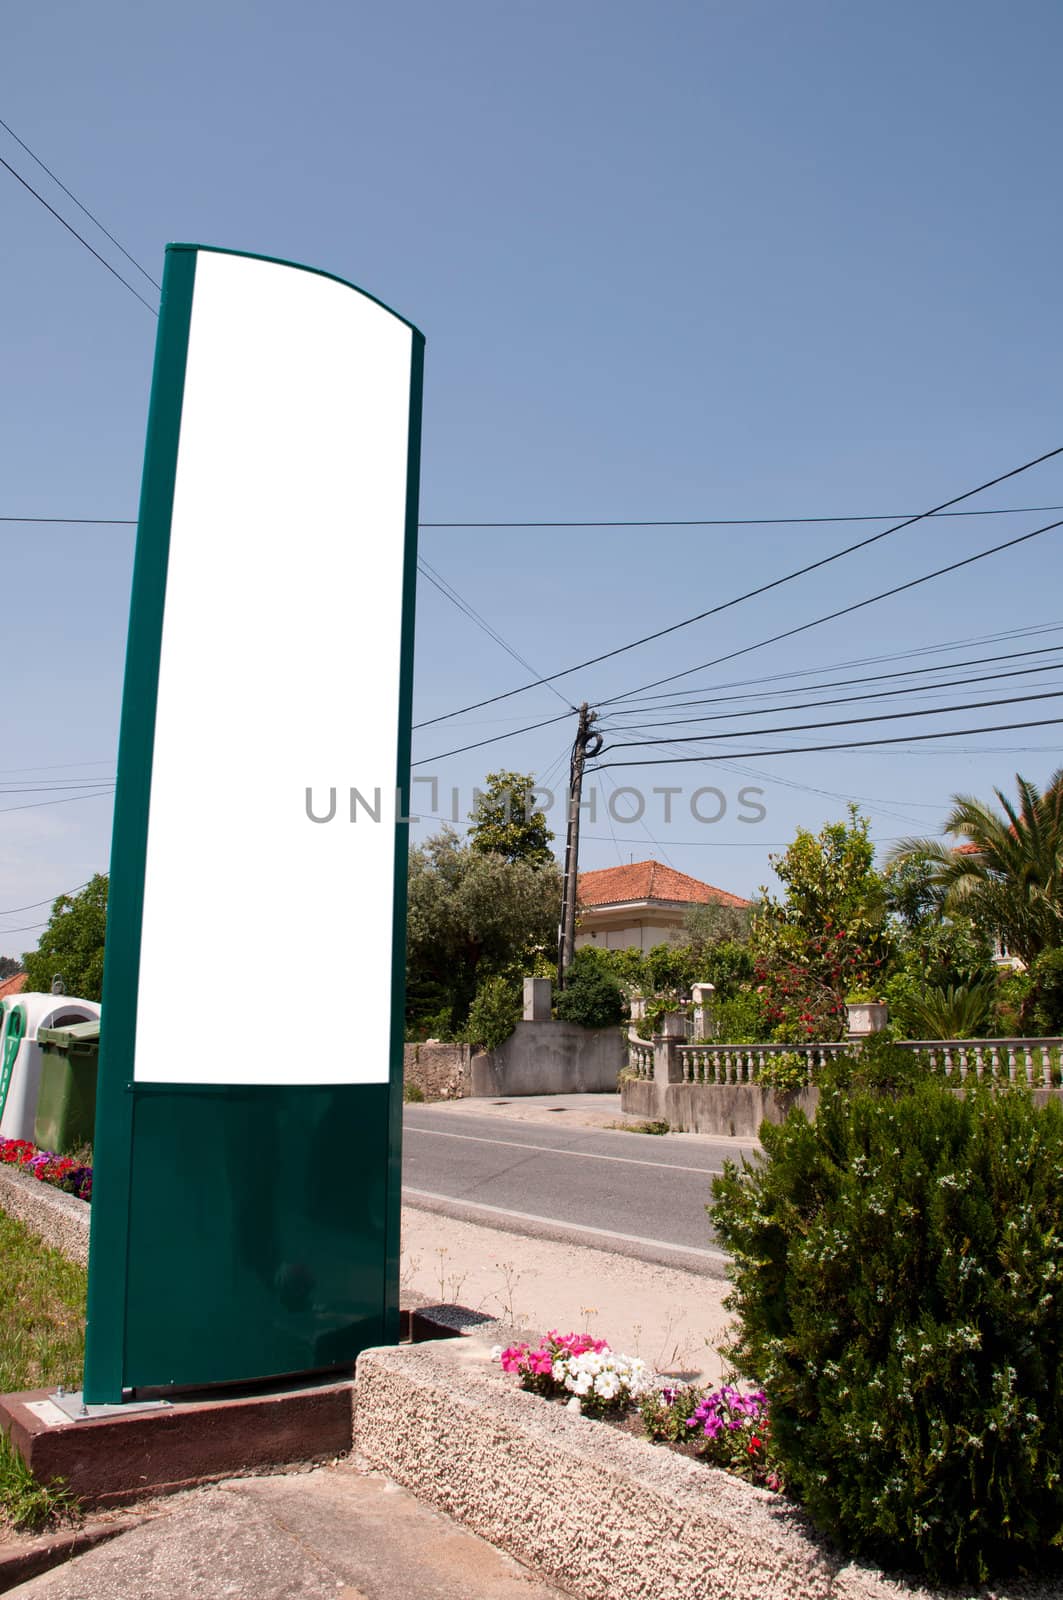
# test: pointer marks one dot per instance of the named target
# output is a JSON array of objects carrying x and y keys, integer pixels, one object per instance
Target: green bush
[
  {"x": 494, "y": 1013},
  {"x": 897, "y": 1272},
  {"x": 413, "y": 1094},
  {"x": 960, "y": 1011},
  {"x": 727, "y": 965},
  {"x": 879, "y": 1067},
  {"x": 784, "y": 1072},
  {"x": 591, "y": 997},
  {"x": 1047, "y": 975},
  {"x": 740, "y": 1019}
]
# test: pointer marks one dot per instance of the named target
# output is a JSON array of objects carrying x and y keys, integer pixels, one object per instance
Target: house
[
  {"x": 641, "y": 905},
  {"x": 13, "y": 985}
]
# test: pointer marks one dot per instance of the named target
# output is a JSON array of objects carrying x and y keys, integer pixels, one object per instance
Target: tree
[
  {"x": 72, "y": 943},
  {"x": 8, "y": 967},
  {"x": 711, "y": 923},
  {"x": 1011, "y": 881},
  {"x": 472, "y": 915},
  {"x": 827, "y": 937},
  {"x": 504, "y": 822}
]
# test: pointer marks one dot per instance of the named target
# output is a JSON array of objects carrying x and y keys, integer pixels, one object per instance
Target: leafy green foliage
[
  {"x": 413, "y": 1094},
  {"x": 591, "y": 996},
  {"x": 785, "y": 1072},
  {"x": 671, "y": 969},
  {"x": 958, "y": 1012},
  {"x": 897, "y": 1275},
  {"x": 879, "y": 1067},
  {"x": 827, "y": 936},
  {"x": 72, "y": 943},
  {"x": 728, "y": 966},
  {"x": 1047, "y": 978},
  {"x": 8, "y": 967},
  {"x": 708, "y": 924},
  {"x": 1012, "y": 883},
  {"x": 504, "y": 821},
  {"x": 494, "y": 1013},
  {"x": 739, "y": 1018},
  {"x": 471, "y": 915},
  {"x": 936, "y": 952}
]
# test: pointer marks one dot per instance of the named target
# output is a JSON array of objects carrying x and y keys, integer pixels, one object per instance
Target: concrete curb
[
  {"x": 21, "y": 1562},
  {"x": 61, "y": 1220},
  {"x": 604, "y": 1515}
]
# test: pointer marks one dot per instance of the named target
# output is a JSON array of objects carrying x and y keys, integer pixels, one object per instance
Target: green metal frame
[{"x": 223, "y": 1249}]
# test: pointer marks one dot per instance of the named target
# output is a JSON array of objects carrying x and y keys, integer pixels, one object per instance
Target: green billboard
[{"x": 246, "y": 1196}]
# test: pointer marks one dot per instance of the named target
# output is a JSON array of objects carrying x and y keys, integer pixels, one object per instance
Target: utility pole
[{"x": 588, "y": 743}]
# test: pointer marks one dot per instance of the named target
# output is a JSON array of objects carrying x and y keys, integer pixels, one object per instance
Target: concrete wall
[
  {"x": 551, "y": 1058},
  {"x": 731, "y": 1109},
  {"x": 440, "y": 1071},
  {"x": 61, "y": 1220},
  {"x": 594, "y": 1511}
]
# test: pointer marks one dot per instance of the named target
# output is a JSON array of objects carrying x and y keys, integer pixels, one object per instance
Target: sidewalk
[
  {"x": 335, "y": 1533},
  {"x": 673, "y": 1319}
]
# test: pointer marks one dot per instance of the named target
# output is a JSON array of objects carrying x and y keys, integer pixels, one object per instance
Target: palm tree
[{"x": 1007, "y": 873}]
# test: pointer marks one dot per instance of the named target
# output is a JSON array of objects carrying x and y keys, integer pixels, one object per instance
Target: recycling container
[
  {"x": 66, "y": 1101},
  {"x": 21, "y": 1056}
]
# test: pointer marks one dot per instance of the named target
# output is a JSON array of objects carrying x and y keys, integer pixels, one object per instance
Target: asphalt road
[{"x": 635, "y": 1193}]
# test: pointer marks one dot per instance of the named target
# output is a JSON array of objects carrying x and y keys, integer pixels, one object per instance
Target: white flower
[
  {"x": 496, "y": 1352},
  {"x": 607, "y": 1385},
  {"x": 559, "y": 1371}
]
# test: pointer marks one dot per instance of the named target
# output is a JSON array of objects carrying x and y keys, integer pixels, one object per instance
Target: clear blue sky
[{"x": 672, "y": 261}]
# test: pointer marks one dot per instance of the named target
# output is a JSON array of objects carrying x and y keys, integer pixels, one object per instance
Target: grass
[{"x": 42, "y": 1344}]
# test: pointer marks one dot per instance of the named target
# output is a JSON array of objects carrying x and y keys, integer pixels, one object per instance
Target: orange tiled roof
[
  {"x": 13, "y": 985},
  {"x": 649, "y": 880}
]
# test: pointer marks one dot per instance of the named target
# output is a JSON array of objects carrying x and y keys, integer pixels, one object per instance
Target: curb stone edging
[
  {"x": 21, "y": 1562},
  {"x": 60, "y": 1219},
  {"x": 604, "y": 1515}
]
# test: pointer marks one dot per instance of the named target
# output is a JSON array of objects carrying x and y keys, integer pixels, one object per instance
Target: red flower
[{"x": 754, "y": 1445}]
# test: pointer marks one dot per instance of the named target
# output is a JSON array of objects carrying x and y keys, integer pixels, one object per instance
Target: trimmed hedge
[{"x": 898, "y": 1283}]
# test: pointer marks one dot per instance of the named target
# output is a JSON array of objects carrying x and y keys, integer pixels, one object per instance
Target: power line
[
  {"x": 449, "y": 592},
  {"x": 764, "y": 588},
  {"x": 28, "y": 928},
  {"x": 34, "y": 157},
  {"x": 14, "y": 910},
  {"x": 728, "y": 844},
  {"x": 847, "y": 722},
  {"x": 910, "y": 653},
  {"x": 840, "y": 683},
  {"x": 101, "y": 259},
  {"x": 700, "y": 522},
  {"x": 34, "y": 805},
  {"x": 838, "y": 700},
  {"x": 495, "y": 739},
  {"x": 844, "y": 611},
  {"x": 754, "y": 522},
  {"x": 858, "y": 744},
  {"x": 900, "y": 588}
]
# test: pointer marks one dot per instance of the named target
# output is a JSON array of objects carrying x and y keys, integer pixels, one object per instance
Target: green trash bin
[{"x": 66, "y": 1104}]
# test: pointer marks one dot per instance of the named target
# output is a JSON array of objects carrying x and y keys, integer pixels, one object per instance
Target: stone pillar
[
  {"x": 667, "y": 1065},
  {"x": 538, "y": 999},
  {"x": 703, "y": 993}
]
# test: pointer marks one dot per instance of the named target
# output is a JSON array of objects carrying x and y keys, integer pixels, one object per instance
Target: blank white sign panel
[{"x": 266, "y": 945}]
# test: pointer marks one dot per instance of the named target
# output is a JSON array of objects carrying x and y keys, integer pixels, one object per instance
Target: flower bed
[
  {"x": 63, "y": 1172},
  {"x": 725, "y": 1427}
]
